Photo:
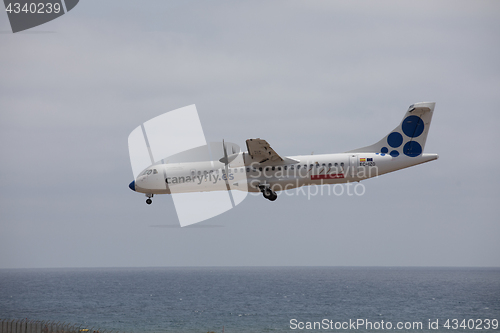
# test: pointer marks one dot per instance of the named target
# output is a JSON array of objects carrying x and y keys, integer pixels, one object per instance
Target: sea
[{"x": 257, "y": 299}]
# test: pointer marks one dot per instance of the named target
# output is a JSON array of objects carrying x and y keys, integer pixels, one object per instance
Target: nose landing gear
[{"x": 148, "y": 200}]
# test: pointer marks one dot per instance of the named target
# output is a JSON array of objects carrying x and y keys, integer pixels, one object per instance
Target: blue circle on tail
[
  {"x": 394, "y": 153},
  {"x": 412, "y": 149},
  {"x": 395, "y": 139},
  {"x": 413, "y": 126},
  {"x": 384, "y": 150}
]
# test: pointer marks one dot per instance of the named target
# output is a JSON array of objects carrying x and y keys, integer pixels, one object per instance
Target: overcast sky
[{"x": 322, "y": 76}]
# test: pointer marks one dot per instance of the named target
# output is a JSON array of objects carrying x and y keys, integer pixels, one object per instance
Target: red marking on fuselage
[{"x": 328, "y": 176}]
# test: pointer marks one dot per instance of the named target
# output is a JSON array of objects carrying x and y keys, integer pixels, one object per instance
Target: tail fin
[{"x": 409, "y": 137}]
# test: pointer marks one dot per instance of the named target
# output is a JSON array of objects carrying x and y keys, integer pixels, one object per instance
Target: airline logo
[{"x": 366, "y": 159}]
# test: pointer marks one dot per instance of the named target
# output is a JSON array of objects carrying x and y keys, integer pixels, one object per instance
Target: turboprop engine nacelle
[{"x": 235, "y": 160}]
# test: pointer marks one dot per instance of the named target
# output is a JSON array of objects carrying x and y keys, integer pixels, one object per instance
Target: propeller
[
  {"x": 226, "y": 160},
  {"x": 226, "y": 163}
]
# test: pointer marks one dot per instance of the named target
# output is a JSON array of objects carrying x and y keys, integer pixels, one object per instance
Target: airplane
[{"x": 261, "y": 169}]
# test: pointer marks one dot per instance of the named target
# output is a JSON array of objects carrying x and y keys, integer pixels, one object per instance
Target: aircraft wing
[{"x": 260, "y": 151}]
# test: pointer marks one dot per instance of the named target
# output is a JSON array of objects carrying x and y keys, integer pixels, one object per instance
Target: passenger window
[
  {"x": 330, "y": 165},
  {"x": 248, "y": 169},
  {"x": 267, "y": 169},
  {"x": 285, "y": 167},
  {"x": 260, "y": 169},
  {"x": 279, "y": 168},
  {"x": 273, "y": 168},
  {"x": 298, "y": 166}
]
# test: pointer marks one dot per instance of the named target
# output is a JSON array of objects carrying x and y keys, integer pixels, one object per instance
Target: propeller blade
[
  {"x": 226, "y": 160},
  {"x": 225, "y": 151},
  {"x": 226, "y": 163}
]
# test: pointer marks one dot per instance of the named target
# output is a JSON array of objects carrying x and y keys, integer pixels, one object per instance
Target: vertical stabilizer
[{"x": 409, "y": 137}]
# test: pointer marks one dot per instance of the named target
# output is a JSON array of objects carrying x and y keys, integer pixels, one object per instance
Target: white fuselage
[{"x": 294, "y": 171}]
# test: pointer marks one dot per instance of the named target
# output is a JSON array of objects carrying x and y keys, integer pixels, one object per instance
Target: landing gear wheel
[
  {"x": 149, "y": 201},
  {"x": 269, "y": 194}
]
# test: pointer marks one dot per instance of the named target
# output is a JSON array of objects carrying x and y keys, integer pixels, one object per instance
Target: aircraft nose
[{"x": 132, "y": 185}]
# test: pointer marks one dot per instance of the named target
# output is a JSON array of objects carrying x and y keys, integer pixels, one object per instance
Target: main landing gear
[
  {"x": 148, "y": 200},
  {"x": 268, "y": 193}
]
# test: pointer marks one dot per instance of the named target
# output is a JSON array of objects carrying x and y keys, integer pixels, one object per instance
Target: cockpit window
[
  {"x": 154, "y": 171},
  {"x": 149, "y": 172}
]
